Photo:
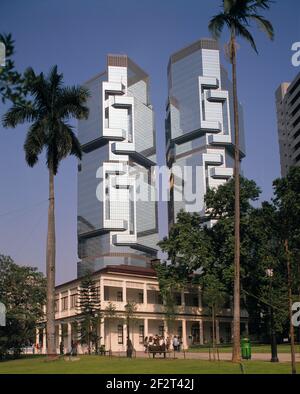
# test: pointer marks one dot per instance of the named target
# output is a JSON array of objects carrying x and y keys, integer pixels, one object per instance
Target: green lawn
[
  {"x": 115, "y": 365},
  {"x": 255, "y": 349}
]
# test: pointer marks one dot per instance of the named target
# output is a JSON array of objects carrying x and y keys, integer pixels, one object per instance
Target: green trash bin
[{"x": 246, "y": 349}]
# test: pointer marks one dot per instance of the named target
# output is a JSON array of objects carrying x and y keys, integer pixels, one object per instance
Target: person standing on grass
[
  {"x": 146, "y": 344},
  {"x": 129, "y": 348},
  {"x": 168, "y": 344},
  {"x": 61, "y": 348},
  {"x": 180, "y": 343},
  {"x": 175, "y": 343}
]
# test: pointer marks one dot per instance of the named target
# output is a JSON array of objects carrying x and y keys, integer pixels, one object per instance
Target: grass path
[
  {"x": 255, "y": 349},
  {"x": 115, "y": 365}
]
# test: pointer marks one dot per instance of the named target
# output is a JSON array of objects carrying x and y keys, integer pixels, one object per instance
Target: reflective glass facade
[
  {"x": 118, "y": 141},
  {"x": 199, "y": 126}
]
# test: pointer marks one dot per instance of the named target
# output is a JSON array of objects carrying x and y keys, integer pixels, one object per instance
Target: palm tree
[
  {"x": 237, "y": 16},
  {"x": 51, "y": 107}
]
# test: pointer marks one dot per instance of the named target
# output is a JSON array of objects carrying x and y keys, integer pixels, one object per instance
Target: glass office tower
[
  {"x": 117, "y": 224},
  {"x": 199, "y": 126},
  {"x": 288, "y": 121}
]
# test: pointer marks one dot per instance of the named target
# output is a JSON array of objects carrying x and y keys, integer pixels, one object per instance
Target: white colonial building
[{"x": 122, "y": 284}]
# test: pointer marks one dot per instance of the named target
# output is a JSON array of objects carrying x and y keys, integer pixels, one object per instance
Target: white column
[
  {"x": 146, "y": 327},
  {"x": 59, "y": 336},
  {"x": 217, "y": 331},
  {"x": 201, "y": 332},
  {"x": 124, "y": 336},
  {"x": 101, "y": 289},
  {"x": 124, "y": 292},
  {"x": 102, "y": 332},
  {"x": 79, "y": 347},
  {"x": 44, "y": 341},
  {"x": 145, "y": 294},
  {"x": 184, "y": 341},
  {"x": 59, "y": 303},
  {"x": 69, "y": 302},
  {"x": 37, "y": 336},
  {"x": 69, "y": 338}
]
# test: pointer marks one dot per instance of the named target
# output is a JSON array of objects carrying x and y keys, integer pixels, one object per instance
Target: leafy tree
[
  {"x": 286, "y": 201},
  {"x": 22, "y": 291},
  {"x": 214, "y": 295},
  {"x": 169, "y": 283},
  {"x": 189, "y": 250},
  {"x": 89, "y": 312},
  {"x": 129, "y": 315},
  {"x": 52, "y": 106},
  {"x": 220, "y": 206},
  {"x": 237, "y": 15},
  {"x": 187, "y": 246},
  {"x": 265, "y": 282},
  {"x": 260, "y": 250},
  {"x": 264, "y": 232},
  {"x": 13, "y": 85},
  {"x": 193, "y": 248},
  {"x": 110, "y": 313}
]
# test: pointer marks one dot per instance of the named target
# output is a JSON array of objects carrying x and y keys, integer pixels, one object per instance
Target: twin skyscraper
[{"x": 118, "y": 174}]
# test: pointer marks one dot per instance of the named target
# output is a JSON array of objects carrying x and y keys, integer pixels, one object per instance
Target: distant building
[
  {"x": 288, "y": 120},
  {"x": 199, "y": 125},
  {"x": 118, "y": 139},
  {"x": 124, "y": 283}
]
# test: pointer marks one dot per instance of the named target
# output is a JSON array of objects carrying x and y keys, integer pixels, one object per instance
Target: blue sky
[{"x": 77, "y": 35}]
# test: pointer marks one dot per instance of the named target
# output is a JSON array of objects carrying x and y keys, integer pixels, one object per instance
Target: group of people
[
  {"x": 163, "y": 343},
  {"x": 73, "y": 350}
]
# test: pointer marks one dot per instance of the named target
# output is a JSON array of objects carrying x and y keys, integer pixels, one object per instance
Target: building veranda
[{"x": 122, "y": 284}]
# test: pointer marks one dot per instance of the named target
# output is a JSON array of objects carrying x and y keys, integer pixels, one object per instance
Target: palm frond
[
  {"x": 19, "y": 114},
  {"x": 235, "y": 7},
  {"x": 228, "y": 5},
  {"x": 54, "y": 79},
  {"x": 237, "y": 15},
  {"x": 52, "y": 155},
  {"x": 39, "y": 89},
  {"x": 51, "y": 105},
  {"x": 71, "y": 102},
  {"x": 243, "y": 32},
  {"x": 264, "y": 24},
  {"x": 254, "y": 5},
  {"x": 66, "y": 142},
  {"x": 216, "y": 25},
  {"x": 76, "y": 147},
  {"x": 34, "y": 143}
]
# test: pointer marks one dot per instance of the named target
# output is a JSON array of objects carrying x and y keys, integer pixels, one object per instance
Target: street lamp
[{"x": 274, "y": 357}]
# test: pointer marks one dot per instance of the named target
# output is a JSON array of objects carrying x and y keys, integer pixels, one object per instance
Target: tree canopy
[{"x": 23, "y": 292}]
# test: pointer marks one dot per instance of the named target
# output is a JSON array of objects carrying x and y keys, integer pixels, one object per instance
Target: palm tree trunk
[
  {"x": 50, "y": 269},
  {"x": 236, "y": 353},
  {"x": 290, "y": 298}
]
